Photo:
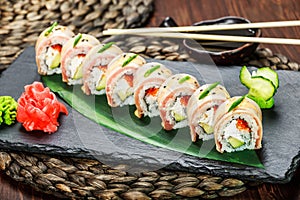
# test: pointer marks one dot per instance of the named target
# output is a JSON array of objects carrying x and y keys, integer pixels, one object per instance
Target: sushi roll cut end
[
  {"x": 173, "y": 97},
  {"x": 73, "y": 55},
  {"x": 48, "y": 48},
  {"x": 147, "y": 81},
  {"x": 239, "y": 128},
  {"x": 120, "y": 75},
  {"x": 202, "y": 108}
]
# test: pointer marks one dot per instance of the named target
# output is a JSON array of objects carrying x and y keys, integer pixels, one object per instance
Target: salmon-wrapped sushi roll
[
  {"x": 146, "y": 83},
  {"x": 238, "y": 126},
  {"x": 48, "y": 48},
  {"x": 95, "y": 66},
  {"x": 120, "y": 74},
  {"x": 72, "y": 56},
  {"x": 201, "y": 109},
  {"x": 173, "y": 97}
]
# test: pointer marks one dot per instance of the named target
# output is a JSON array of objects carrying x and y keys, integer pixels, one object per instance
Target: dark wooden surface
[{"x": 186, "y": 12}]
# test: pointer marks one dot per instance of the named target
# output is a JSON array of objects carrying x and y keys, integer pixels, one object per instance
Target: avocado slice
[
  {"x": 235, "y": 143},
  {"x": 78, "y": 73},
  {"x": 55, "y": 62},
  {"x": 207, "y": 128},
  {"x": 124, "y": 94},
  {"x": 101, "y": 84},
  {"x": 178, "y": 117}
]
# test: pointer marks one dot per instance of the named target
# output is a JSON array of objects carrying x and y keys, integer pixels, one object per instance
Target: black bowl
[{"x": 222, "y": 53}]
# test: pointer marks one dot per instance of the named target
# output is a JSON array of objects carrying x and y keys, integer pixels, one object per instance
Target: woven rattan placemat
[
  {"x": 21, "y": 23},
  {"x": 90, "y": 179}
]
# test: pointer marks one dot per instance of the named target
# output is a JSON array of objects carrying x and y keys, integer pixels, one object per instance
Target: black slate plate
[{"x": 79, "y": 137}]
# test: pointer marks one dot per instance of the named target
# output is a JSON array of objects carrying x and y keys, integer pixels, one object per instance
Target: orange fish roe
[
  {"x": 152, "y": 91},
  {"x": 57, "y": 47},
  {"x": 242, "y": 125}
]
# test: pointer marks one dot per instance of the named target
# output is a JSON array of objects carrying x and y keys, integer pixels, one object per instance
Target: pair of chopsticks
[{"x": 179, "y": 32}]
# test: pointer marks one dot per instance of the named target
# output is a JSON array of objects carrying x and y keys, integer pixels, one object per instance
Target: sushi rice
[
  {"x": 95, "y": 66},
  {"x": 122, "y": 92},
  {"x": 49, "y": 55},
  {"x": 176, "y": 108},
  {"x": 247, "y": 137},
  {"x": 149, "y": 102},
  {"x": 95, "y": 77},
  {"x": 206, "y": 119},
  {"x": 239, "y": 128},
  {"x": 48, "y": 49}
]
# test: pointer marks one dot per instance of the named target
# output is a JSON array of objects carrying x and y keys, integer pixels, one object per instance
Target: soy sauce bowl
[{"x": 222, "y": 53}]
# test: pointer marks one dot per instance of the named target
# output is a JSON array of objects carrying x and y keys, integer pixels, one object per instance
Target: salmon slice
[
  {"x": 129, "y": 79},
  {"x": 184, "y": 100}
]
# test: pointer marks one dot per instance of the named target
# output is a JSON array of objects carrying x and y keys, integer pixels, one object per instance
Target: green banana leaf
[{"x": 147, "y": 130}]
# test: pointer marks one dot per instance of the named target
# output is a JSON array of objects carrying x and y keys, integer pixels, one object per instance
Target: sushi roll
[
  {"x": 119, "y": 82},
  {"x": 95, "y": 66},
  {"x": 238, "y": 125},
  {"x": 72, "y": 56},
  {"x": 173, "y": 97},
  {"x": 146, "y": 83},
  {"x": 201, "y": 109},
  {"x": 48, "y": 48}
]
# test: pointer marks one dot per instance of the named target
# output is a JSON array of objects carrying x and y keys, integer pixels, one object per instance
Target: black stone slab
[{"x": 79, "y": 137}]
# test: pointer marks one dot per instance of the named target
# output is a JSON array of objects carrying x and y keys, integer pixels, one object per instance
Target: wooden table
[{"x": 186, "y": 12}]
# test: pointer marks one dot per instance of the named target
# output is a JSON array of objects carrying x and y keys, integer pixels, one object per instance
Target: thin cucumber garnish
[
  {"x": 208, "y": 89},
  {"x": 268, "y": 73},
  {"x": 151, "y": 70},
  {"x": 105, "y": 47},
  {"x": 262, "y": 85},
  {"x": 236, "y": 103},
  {"x": 78, "y": 37},
  {"x": 183, "y": 79}
]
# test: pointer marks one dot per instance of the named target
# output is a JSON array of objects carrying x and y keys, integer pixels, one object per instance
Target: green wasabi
[{"x": 8, "y": 110}]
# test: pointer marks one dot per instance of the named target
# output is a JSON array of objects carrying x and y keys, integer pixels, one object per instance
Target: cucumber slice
[
  {"x": 101, "y": 84},
  {"x": 245, "y": 77},
  {"x": 265, "y": 72},
  {"x": 262, "y": 88},
  {"x": 55, "y": 62},
  {"x": 178, "y": 117},
  {"x": 268, "y": 73},
  {"x": 235, "y": 143},
  {"x": 78, "y": 73},
  {"x": 262, "y": 85},
  {"x": 262, "y": 103},
  {"x": 207, "y": 128}
]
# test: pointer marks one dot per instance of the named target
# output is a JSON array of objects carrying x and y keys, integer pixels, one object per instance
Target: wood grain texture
[
  {"x": 186, "y": 12},
  {"x": 12, "y": 190}
]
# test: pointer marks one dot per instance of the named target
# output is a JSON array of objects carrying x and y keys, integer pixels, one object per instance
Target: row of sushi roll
[{"x": 127, "y": 79}]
